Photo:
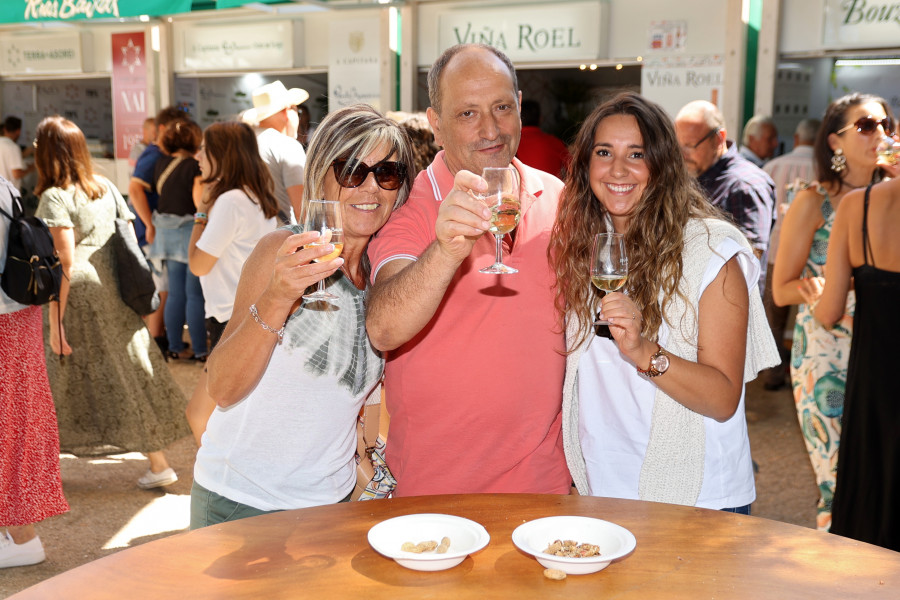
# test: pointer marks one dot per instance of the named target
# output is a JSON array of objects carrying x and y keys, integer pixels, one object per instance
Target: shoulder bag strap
[{"x": 165, "y": 174}]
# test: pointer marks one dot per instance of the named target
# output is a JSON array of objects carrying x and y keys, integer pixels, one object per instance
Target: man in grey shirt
[{"x": 274, "y": 112}]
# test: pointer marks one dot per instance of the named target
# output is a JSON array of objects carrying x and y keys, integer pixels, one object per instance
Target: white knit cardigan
[{"x": 672, "y": 471}]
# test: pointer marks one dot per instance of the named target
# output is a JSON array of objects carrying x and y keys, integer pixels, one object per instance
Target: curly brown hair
[{"x": 655, "y": 236}]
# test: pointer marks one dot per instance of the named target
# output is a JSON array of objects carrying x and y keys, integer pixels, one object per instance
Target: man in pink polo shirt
[{"x": 474, "y": 376}]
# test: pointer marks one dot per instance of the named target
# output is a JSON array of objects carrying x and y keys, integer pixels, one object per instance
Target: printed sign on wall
[
  {"x": 564, "y": 31},
  {"x": 673, "y": 81},
  {"x": 129, "y": 89},
  {"x": 247, "y": 46},
  {"x": 354, "y": 69},
  {"x": 56, "y": 53}
]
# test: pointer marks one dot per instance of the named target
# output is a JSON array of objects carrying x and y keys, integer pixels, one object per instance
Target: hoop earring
[{"x": 838, "y": 161}]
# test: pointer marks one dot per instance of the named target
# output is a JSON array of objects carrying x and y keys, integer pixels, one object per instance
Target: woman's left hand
[
  {"x": 811, "y": 289},
  {"x": 624, "y": 321}
]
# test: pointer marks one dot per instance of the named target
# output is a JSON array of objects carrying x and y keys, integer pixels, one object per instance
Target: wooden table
[{"x": 322, "y": 552}]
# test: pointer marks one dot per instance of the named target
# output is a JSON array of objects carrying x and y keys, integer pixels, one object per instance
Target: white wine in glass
[
  {"x": 502, "y": 197},
  {"x": 324, "y": 216},
  {"x": 609, "y": 264}
]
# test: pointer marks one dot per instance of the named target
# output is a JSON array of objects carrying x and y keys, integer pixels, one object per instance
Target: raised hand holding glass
[
  {"x": 324, "y": 216},
  {"x": 609, "y": 264},
  {"x": 502, "y": 197}
]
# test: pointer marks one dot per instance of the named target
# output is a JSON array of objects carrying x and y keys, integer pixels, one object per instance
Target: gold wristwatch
[{"x": 659, "y": 363}]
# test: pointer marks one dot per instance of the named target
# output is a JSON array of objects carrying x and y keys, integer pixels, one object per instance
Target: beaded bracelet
[
  {"x": 201, "y": 215},
  {"x": 278, "y": 332},
  {"x": 201, "y": 222}
]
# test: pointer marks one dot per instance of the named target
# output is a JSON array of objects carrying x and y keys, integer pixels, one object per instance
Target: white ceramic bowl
[
  {"x": 465, "y": 536},
  {"x": 614, "y": 541}
]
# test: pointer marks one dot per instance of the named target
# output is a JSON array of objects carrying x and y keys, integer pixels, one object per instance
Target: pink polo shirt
[{"x": 475, "y": 397}]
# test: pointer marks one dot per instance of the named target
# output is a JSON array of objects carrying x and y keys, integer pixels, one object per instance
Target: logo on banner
[
  {"x": 131, "y": 56},
  {"x": 68, "y": 9},
  {"x": 357, "y": 40}
]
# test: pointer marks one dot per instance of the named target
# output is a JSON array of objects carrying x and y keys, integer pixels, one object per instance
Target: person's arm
[
  {"x": 274, "y": 278},
  {"x": 712, "y": 386},
  {"x": 407, "y": 293},
  {"x": 64, "y": 242},
  {"x": 295, "y": 194},
  {"x": 800, "y": 223},
  {"x": 200, "y": 262},
  {"x": 838, "y": 270},
  {"x": 137, "y": 193}
]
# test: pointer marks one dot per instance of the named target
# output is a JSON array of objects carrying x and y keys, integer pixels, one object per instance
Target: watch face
[{"x": 660, "y": 363}]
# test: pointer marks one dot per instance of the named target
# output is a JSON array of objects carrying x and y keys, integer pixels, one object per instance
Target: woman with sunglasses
[
  {"x": 284, "y": 433},
  {"x": 845, "y": 158},
  {"x": 235, "y": 209}
]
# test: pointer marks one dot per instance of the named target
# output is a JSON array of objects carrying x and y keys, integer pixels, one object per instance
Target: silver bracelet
[{"x": 278, "y": 332}]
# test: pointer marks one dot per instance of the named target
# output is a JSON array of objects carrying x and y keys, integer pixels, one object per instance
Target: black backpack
[{"x": 32, "y": 273}]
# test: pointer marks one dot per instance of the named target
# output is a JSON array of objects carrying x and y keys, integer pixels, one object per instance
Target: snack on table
[
  {"x": 571, "y": 549},
  {"x": 428, "y": 546},
  {"x": 555, "y": 574}
]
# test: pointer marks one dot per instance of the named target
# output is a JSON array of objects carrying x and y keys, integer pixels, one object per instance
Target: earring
[{"x": 838, "y": 161}]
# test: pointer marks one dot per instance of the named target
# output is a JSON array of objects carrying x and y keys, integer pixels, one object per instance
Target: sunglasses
[
  {"x": 711, "y": 133},
  {"x": 868, "y": 125},
  {"x": 389, "y": 175}
]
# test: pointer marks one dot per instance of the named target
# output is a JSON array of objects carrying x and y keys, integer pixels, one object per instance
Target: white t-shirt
[
  {"x": 286, "y": 160},
  {"x": 616, "y": 411},
  {"x": 10, "y": 159},
  {"x": 290, "y": 443},
  {"x": 235, "y": 225}
]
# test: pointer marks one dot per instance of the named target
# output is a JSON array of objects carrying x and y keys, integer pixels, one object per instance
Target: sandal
[{"x": 185, "y": 354}]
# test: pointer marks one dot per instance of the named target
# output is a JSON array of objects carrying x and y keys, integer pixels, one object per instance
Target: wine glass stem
[
  {"x": 499, "y": 258},
  {"x": 321, "y": 286}
]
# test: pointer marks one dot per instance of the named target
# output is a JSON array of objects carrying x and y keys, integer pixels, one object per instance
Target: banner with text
[
  {"x": 861, "y": 24},
  {"x": 43, "y": 53},
  {"x": 259, "y": 45},
  {"x": 27, "y": 11},
  {"x": 129, "y": 89},
  {"x": 564, "y": 31},
  {"x": 673, "y": 81},
  {"x": 354, "y": 66}
]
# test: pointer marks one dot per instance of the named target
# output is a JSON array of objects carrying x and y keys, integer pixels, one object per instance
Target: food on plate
[
  {"x": 554, "y": 574},
  {"x": 427, "y": 546},
  {"x": 445, "y": 545},
  {"x": 571, "y": 549}
]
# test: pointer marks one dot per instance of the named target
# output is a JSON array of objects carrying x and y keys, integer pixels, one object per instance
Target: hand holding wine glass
[
  {"x": 502, "y": 197},
  {"x": 609, "y": 264},
  {"x": 325, "y": 217}
]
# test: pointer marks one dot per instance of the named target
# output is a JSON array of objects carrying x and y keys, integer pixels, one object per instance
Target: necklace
[{"x": 360, "y": 284}]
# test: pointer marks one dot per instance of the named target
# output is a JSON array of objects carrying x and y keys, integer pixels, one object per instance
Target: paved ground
[{"x": 110, "y": 513}]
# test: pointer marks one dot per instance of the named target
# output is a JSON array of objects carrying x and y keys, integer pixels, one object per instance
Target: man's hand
[{"x": 462, "y": 218}]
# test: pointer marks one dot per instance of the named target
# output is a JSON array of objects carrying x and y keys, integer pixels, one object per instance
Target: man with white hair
[
  {"x": 794, "y": 169},
  {"x": 276, "y": 121},
  {"x": 760, "y": 140},
  {"x": 732, "y": 183}
]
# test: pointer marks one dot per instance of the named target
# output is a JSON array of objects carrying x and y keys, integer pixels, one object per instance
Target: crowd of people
[{"x": 493, "y": 383}]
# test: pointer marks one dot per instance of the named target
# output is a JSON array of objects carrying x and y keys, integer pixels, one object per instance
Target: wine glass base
[
  {"x": 315, "y": 296},
  {"x": 498, "y": 269}
]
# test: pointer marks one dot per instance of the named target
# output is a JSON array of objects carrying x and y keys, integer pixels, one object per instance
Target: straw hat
[{"x": 271, "y": 98}]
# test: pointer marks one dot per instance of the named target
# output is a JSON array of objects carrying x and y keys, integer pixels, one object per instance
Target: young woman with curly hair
[{"x": 653, "y": 407}]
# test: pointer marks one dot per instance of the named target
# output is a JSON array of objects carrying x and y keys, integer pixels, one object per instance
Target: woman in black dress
[{"x": 864, "y": 245}]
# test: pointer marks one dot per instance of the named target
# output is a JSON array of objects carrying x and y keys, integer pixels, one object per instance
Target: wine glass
[
  {"x": 609, "y": 264},
  {"x": 324, "y": 216},
  {"x": 888, "y": 151},
  {"x": 502, "y": 197}
]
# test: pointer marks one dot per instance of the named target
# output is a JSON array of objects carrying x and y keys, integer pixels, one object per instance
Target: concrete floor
[{"x": 109, "y": 512}]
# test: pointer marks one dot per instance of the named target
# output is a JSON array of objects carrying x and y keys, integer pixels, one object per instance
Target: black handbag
[{"x": 136, "y": 284}]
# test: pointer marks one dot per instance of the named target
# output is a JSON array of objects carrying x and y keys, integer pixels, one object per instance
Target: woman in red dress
[{"x": 30, "y": 483}]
